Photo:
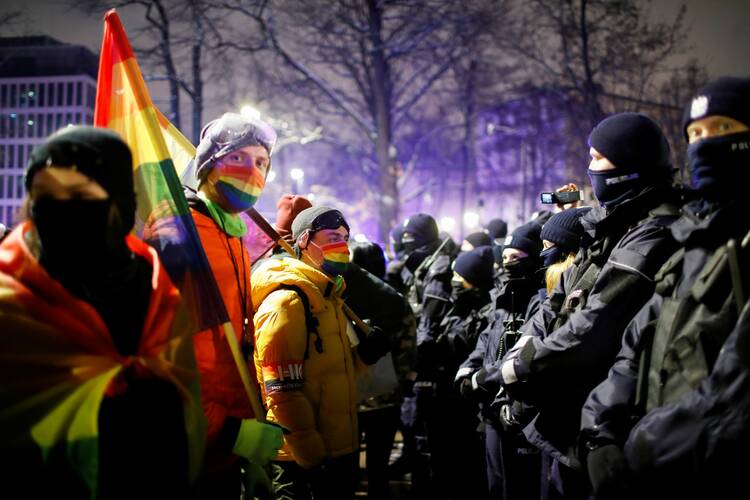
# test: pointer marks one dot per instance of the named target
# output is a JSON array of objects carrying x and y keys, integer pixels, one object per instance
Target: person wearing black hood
[
  {"x": 395, "y": 265},
  {"x": 100, "y": 393},
  {"x": 475, "y": 240},
  {"x": 511, "y": 464},
  {"x": 452, "y": 432},
  {"x": 497, "y": 230},
  {"x": 678, "y": 363},
  {"x": 627, "y": 240},
  {"x": 427, "y": 274}
]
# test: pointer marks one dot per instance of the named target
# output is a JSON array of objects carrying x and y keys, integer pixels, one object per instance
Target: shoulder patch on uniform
[{"x": 281, "y": 376}]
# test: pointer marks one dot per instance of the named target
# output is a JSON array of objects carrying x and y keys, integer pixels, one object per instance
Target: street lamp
[
  {"x": 250, "y": 112},
  {"x": 271, "y": 176},
  {"x": 447, "y": 224},
  {"x": 471, "y": 219},
  {"x": 297, "y": 175}
]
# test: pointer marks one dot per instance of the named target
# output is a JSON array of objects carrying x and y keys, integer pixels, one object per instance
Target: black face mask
[
  {"x": 612, "y": 187},
  {"x": 76, "y": 236},
  {"x": 456, "y": 288},
  {"x": 552, "y": 255},
  {"x": 720, "y": 166},
  {"x": 519, "y": 269}
]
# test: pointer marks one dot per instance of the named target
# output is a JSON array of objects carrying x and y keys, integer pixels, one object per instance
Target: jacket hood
[{"x": 273, "y": 273}]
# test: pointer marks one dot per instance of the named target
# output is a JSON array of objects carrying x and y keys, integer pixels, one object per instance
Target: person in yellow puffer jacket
[{"x": 306, "y": 364}]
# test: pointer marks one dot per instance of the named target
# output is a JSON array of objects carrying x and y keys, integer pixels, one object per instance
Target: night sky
[{"x": 718, "y": 28}]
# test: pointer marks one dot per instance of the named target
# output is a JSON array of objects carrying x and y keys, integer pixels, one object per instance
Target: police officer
[
  {"x": 512, "y": 465},
  {"x": 427, "y": 275},
  {"x": 627, "y": 241},
  {"x": 681, "y": 333}
]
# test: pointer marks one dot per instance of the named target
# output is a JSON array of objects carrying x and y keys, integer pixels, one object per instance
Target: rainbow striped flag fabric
[{"x": 163, "y": 219}]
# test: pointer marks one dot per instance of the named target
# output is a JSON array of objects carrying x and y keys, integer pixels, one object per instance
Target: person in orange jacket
[
  {"x": 231, "y": 165},
  {"x": 100, "y": 395}
]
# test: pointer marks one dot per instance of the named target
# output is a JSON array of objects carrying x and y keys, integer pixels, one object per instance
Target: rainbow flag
[{"x": 163, "y": 218}]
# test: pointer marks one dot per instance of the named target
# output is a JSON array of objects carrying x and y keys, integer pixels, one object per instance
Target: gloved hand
[
  {"x": 374, "y": 346},
  {"x": 608, "y": 471},
  {"x": 508, "y": 420},
  {"x": 465, "y": 387},
  {"x": 258, "y": 442}
]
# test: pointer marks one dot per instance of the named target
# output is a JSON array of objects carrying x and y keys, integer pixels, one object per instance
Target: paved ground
[{"x": 399, "y": 488}]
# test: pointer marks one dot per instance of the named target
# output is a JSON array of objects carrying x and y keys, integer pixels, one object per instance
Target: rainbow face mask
[
  {"x": 239, "y": 186},
  {"x": 335, "y": 258}
]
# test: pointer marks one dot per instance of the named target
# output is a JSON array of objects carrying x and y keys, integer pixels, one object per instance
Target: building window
[
  {"x": 12, "y": 102},
  {"x": 11, "y": 155},
  {"x": 19, "y": 187},
  {"x": 60, "y": 93},
  {"x": 79, "y": 94},
  {"x": 69, "y": 95},
  {"x": 31, "y": 95},
  {"x": 4, "y": 95},
  {"x": 48, "y": 131},
  {"x": 91, "y": 96},
  {"x": 42, "y": 88}
]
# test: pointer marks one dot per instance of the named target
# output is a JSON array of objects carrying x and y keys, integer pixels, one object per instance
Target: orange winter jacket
[
  {"x": 315, "y": 398},
  {"x": 223, "y": 394}
]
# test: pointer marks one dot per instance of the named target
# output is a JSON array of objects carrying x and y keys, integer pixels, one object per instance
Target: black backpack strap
[{"x": 311, "y": 322}]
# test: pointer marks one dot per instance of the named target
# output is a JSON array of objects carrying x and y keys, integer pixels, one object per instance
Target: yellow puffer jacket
[{"x": 315, "y": 398}]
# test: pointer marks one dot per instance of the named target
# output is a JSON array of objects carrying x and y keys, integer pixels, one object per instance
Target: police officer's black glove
[
  {"x": 465, "y": 387},
  {"x": 374, "y": 346},
  {"x": 608, "y": 471},
  {"x": 508, "y": 420}
]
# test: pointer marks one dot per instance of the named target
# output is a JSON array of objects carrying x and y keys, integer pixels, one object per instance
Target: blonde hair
[{"x": 553, "y": 272}]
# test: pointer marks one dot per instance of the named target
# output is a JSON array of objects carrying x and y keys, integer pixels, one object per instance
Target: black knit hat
[
  {"x": 476, "y": 266},
  {"x": 305, "y": 219},
  {"x": 98, "y": 153},
  {"x": 633, "y": 143},
  {"x": 478, "y": 239},
  {"x": 422, "y": 228},
  {"x": 497, "y": 229},
  {"x": 526, "y": 238},
  {"x": 727, "y": 96},
  {"x": 564, "y": 229},
  {"x": 369, "y": 256}
]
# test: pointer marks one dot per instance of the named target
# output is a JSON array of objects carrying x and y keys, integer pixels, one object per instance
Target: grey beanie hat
[
  {"x": 230, "y": 133},
  {"x": 305, "y": 219}
]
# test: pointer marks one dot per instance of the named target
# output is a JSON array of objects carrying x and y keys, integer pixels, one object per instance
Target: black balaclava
[
  {"x": 83, "y": 242},
  {"x": 636, "y": 146},
  {"x": 476, "y": 266},
  {"x": 720, "y": 166},
  {"x": 419, "y": 230},
  {"x": 525, "y": 238},
  {"x": 420, "y": 239},
  {"x": 397, "y": 243},
  {"x": 79, "y": 238}
]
